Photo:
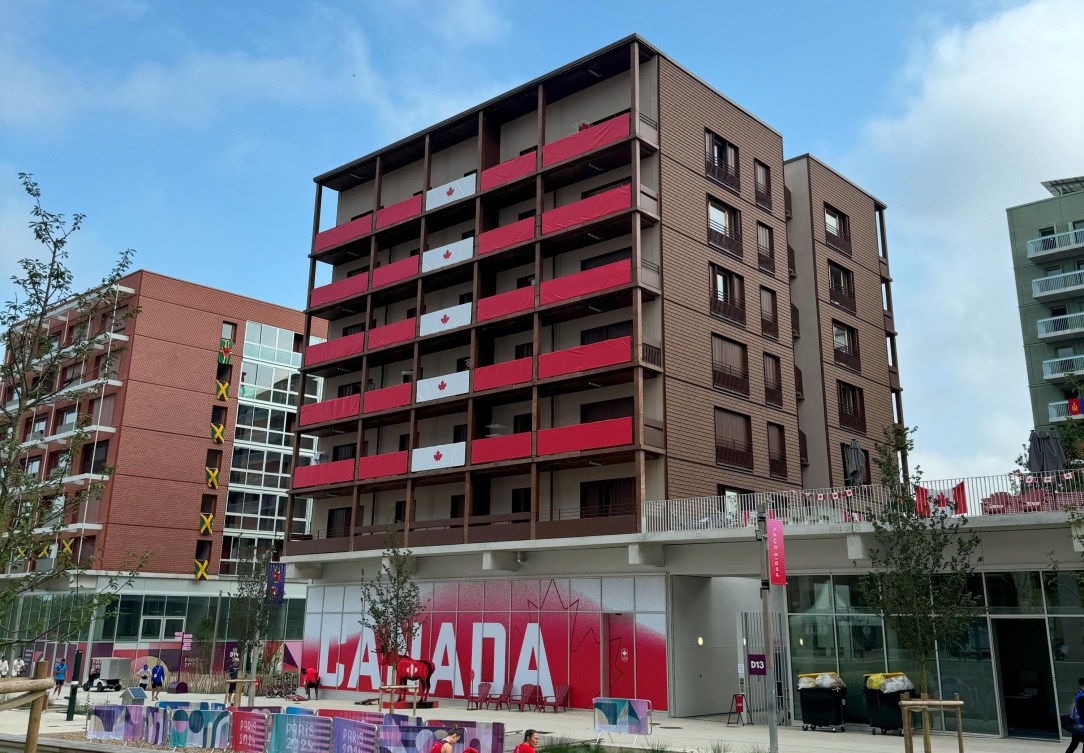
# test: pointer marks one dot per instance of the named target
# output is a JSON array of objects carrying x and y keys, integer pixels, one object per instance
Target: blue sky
[{"x": 191, "y": 133}]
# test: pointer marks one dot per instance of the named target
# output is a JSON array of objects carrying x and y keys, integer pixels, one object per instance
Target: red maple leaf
[
  {"x": 450, "y": 190},
  {"x": 442, "y": 385},
  {"x": 437, "y": 456},
  {"x": 444, "y": 319},
  {"x": 448, "y": 254}
]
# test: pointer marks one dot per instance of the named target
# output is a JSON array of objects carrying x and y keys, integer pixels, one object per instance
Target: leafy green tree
[
  {"x": 921, "y": 564},
  {"x": 392, "y": 602},
  {"x": 36, "y": 550}
]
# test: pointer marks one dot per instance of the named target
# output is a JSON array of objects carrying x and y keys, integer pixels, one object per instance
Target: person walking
[
  {"x": 158, "y": 679},
  {"x": 59, "y": 671},
  {"x": 1073, "y": 724},
  {"x": 4, "y": 669},
  {"x": 312, "y": 684},
  {"x": 17, "y": 667},
  {"x": 530, "y": 742},
  {"x": 144, "y": 677},
  {"x": 449, "y": 741},
  {"x": 233, "y": 670}
]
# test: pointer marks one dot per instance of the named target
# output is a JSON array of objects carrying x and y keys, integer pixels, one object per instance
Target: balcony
[
  {"x": 506, "y": 236},
  {"x": 584, "y": 283},
  {"x": 730, "y": 378},
  {"x": 769, "y": 326},
  {"x": 342, "y": 234},
  {"x": 1061, "y": 369},
  {"x": 390, "y": 334},
  {"x": 586, "y": 140},
  {"x": 436, "y": 532},
  {"x": 388, "y": 464},
  {"x": 764, "y": 196},
  {"x": 842, "y": 296},
  {"x": 799, "y": 385},
  {"x": 787, "y": 203},
  {"x": 508, "y": 171},
  {"x": 402, "y": 210},
  {"x": 726, "y": 238},
  {"x": 439, "y": 457},
  {"x": 397, "y": 271},
  {"x": 493, "y": 449},
  {"x": 333, "y": 350},
  {"x": 848, "y": 357},
  {"x": 1059, "y": 411},
  {"x": 736, "y": 454},
  {"x": 580, "y": 437},
  {"x": 340, "y": 290},
  {"x": 839, "y": 241},
  {"x": 1068, "y": 327},
  {"x": 727, "y": 308},
  {"x": 447, "y": 255},
  {"x": 444, "y": 386},
  {"x": 608, "y": 519},
  {"x": 503, "y": 374},
  {"x": 585, "y": 357},
  {"x": 322, "y": 474},
  {"x": 722, "y": 173},
  {"x": 853, "y": 420},
  {"x": 803, "y": 448},
  {"x": 329, "y": 410},
  {"x": 1054, "y": 287},
  {"x": 586, "y": 210},
  {"x": 444, "y": 320},
  {"x": 790, "y": 262},
  {"x": 1057, "y": 246},
  {"x": 503, "y": 304},
  {"x": 773, "y": 393},
  {"x": 777, "y": 466},
  {"x": 452, "y": 191},
  {"x": 652, "y": 354},
  {"x": 766, "y": 259},
  {"x": 396, "y": 396}
]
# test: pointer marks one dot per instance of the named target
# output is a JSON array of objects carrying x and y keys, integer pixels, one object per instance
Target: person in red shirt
[
  {"x": 446, "y": 745},
  {"x": 312, "y": 683},
  {"x": 530, "y": 742}
]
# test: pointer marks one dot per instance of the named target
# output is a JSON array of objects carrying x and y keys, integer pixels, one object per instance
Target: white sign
[{"x": 741, "y": 669}]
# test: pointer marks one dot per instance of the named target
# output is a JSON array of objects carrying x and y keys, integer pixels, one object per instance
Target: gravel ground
[{"x": 81, "y": 736}]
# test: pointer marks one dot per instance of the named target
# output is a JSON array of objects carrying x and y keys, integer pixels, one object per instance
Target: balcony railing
[
  {"x": 1049, "y": 245},
  {"x": 586, "y": 210},
  {"x": 853, "y": 420},
  {"x": 795, "y": 327},
  {"x": 773, "y": 393},
  {"x": 724, "y": 237},
  {"x": 1005, "y": 495},
  {"x": 652, "y": 354},
  {"x": 787, "y": 204},
  {"x": 766, "y": 259},
  {"x": 799, "y": 386},
  {"x": 727, "y": 308},
  {"x": 769, "y": 326},
  {"x": 722, "y": 172},
  {"x": 739, "y": 454},
  {"x": 839, "y": 241},
  {"x": 803, "y": 448},
  {"x": 790, "y": 262},
  {"x": 1059, "y": 368},
  {"x": 846, "y": 355},
  {"x": 587, "y": 140},
  {"x": 1057, "y": 327},
  {"x": 777, "y": 466},
  {"x": 842, "y": 296},
  {"x": 764, "y": 195},
  {"x": 1056, "y": 285},
  {"x": 726, "y": 377},
  {"x": 1059, "y": 411}
]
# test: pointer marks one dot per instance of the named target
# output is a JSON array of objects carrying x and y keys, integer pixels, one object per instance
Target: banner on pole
[
  {"x": 276, "y": 583},
  {"x": 777, "y": 565}
]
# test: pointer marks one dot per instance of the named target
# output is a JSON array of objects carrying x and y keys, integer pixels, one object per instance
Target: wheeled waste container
[
  {"x": 884, "y": 707},
  {"x": 821, "y": 698}
]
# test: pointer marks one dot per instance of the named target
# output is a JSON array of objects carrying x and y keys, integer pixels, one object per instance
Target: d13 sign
[{"x": 758, "y": 664}]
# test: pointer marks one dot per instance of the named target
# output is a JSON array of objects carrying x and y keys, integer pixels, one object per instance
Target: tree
[
  {"x": 50, "y": 333},
  {"x": 250, "y": 614},
  {"x": 203, "y": 642},
  {"x": 921, "y": 565},
  {"x": 392, "y": 602}
]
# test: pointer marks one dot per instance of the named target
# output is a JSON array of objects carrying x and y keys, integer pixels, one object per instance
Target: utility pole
[{"x": 769, "y": 647}]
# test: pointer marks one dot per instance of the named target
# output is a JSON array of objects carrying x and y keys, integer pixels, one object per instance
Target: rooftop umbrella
[
  {"x": 1035, "y": 452},
  {"x": 1052, "y": 451},
  {"x": 854, "y": 464}
]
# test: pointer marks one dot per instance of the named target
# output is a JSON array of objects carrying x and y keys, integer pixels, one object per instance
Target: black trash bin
[
  {"x": 822, "y": 707},
  {"x": 884, "y": 710}
]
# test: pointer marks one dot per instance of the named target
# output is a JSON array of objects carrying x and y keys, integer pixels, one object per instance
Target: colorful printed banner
[
  {"x": 448, "y": 385},
  {"x": 438, "y": 456},
  {"x": 449, "y": 192},
  {"x": 276, "y": 583},
  {"x": 300, "y": 711},
  {"x": 445, "y": 319},
  {"x": 351, "y": 736},
  {"x": 777, "y": 564},
  {"x": 249, "y": 731},
  {"x": 198, "y": 728},
  {"x": 631, "y": 716},
  {"x": 115, "y": 723},
  {"x": 484, "y": 737},
  {"x": 375, "y": 718},
  {"x": 157, "y": 726},
  {"x": 445, "y": 256},
  {"x": 291, "y": 733}
]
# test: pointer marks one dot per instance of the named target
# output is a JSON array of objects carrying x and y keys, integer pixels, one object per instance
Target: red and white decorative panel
[
  {"x": 445, "y": 256},
  {"x": 444, "y": 320},
  {"x": 449, "y": 192},
  {"x": 447, "y": 385},
  {"x": 439, "y": 456}
]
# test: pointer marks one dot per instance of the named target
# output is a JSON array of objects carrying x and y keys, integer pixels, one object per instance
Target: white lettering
[
  {"x": 533, "y": 648},
  {"x": 495, "y": 632},
  {"x": 446, "y": 661}
]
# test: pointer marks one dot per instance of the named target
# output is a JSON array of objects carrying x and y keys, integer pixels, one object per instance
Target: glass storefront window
[
  {"x": 1067, "y": 649},
  {"x": 1015, "y": 593},
  {"x": 849, "y": 596},
  {"x": 295, "y": 619},
  {"x": 861, "y": 651},
  {"x": 128, "y": 614},
  {"x": 1063, "y": 592},
  {"x": 812, "y": 644},
  {"x": 809, "y": 594},
  {"x": 967, "y": 668}
]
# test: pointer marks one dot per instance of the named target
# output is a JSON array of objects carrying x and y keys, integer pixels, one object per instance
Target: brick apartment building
[
  {"x": 593, "y": 311},
  {"x": 197, "y": 422}
]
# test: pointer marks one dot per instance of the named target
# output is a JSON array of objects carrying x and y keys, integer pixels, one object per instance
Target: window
[
  {"x": 852, "y": 407},
  {"x": 524, "y": 350},
  {"x": 229, "y": 331},
  {"x": 411, "y": 312},
  {"x": 845, "y": 340},
  {"x": 525, "y": 214},
  {"x": 462, "y": 364},
  {"x": 721, "y": 162},
  {"x": 602, "y": 499},
  {"x": 729, "y": 365},
  {"x": 356, "y": 272},
  {"x": 71, "y": 374},
  {"x": 404, "y": 442},
  {"x": 773, "y": 380},
  {"x": 620, "y": 407},
  {"x": 65, "y": 422},
  {"x": 348, "y": 389},
  {"x": 777, "y": 451},
  {"x": 769, "y": 315},
  {"x": 521, "y": 500},
  {"x": 101, "y": 411},
  {"x": 727, "y": 295},
  {"x": 39, "y": 427},
  {"x": 733, "y": 439},
  {"x": 338, "y": 522},
  {"x": 837, "y": 230},
  {"x": 605, "y": 187},
  {"x": 458, "y": 502},
  {"x": 459, "y": 433},
  {"x": 94, "y": 456},
  {"x": 343, "y": 451},
  {"x": 353, "y": 329},
  {"x": 763, "y": 178},
  {"x": 606, "y": 332},
  {"x": 724, "y": 228},
  {"x": 841, "y": 287},
  {"x": 465, "y": 298},
  {"x": 765, "y": 248},
  {"x": 603, "y": 259},
  {"x": 521, "y": 423},
  {"x": 400, "y": 511},
  {"x": 117, "y": 320},
  {"x": 525, "y": 281},
  {"x": 528, "y": 150},
  {"x": 33, "y": 467},
  {"x": 407, "y": 376},
  {"x": 466, "y": 234}
]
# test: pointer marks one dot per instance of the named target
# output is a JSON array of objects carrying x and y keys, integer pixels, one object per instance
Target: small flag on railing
[
  {"x": 1029, "y": 479},
  {"x": 1073, "y": 406},
  {"x": 1067, "y": 476},
  {"x": 1048, "y": 479}
]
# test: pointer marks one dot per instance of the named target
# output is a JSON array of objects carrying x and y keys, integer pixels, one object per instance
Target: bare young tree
[
  {"x": 250, "y": 613},
  {"x": 392, "y": 602},
  {"x": 50, "y": 331}
]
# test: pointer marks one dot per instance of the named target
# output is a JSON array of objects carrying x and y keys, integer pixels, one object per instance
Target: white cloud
[{"x": 986, "y": 113}]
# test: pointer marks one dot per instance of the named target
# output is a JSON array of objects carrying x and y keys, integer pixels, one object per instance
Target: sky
[{"x": 191, "y": 132}]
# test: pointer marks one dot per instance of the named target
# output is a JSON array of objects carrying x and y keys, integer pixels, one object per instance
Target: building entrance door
[
  {"x": 1025, "y": 678},
  {"x": 619, "y": 656}
]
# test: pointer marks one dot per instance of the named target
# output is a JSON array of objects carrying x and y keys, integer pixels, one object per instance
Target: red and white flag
[
  {"x": 449, "y": 192},
  {"x": 448, "y": 385},
  {"x": 438, "y": 456},
  {"x": 445, "y": 319},
  {"x": 453, "y": 253}
]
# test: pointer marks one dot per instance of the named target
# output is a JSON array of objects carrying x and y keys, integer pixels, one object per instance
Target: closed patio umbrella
[
  {"x": 854, "y": 464},
  {"x": 1052, "y": 451},
  {"x": 1035, "y": 452}
]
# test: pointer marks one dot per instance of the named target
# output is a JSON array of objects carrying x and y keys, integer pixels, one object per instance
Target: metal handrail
[
  {"x": 1056, "y": 367},
  {"x": 1057, "y": 283},
  {"x": 1060, "y": 324},
  {"x": 1056, "y": 242}
]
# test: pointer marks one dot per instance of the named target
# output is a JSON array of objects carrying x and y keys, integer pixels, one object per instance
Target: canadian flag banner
[
  {"x": 445, "y": 319},
  {"x": 453, "y": 253},
  {"x": 449, "y": 192},
  {"x": 437, "y": 387},
  {"x": 439, "y": 456}
]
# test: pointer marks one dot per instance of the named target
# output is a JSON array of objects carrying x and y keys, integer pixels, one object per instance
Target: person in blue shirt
[
  {"x": 158, "y": 679},
  {"x": 1075, "y": 718},
  {"x": 59, "y": 671}
]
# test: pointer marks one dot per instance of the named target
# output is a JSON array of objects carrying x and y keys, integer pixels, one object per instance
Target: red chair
[
  {"x": 502, "y": 697},
  {"x": 1070, "y": 500},
  {"x": 997, "y": 503},
  {"x": 1035, "y": 500},
  {"x": 480, "y": 697},
  {"x": 530, "y": 696},
  {"x": 558, "y": 701}
]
